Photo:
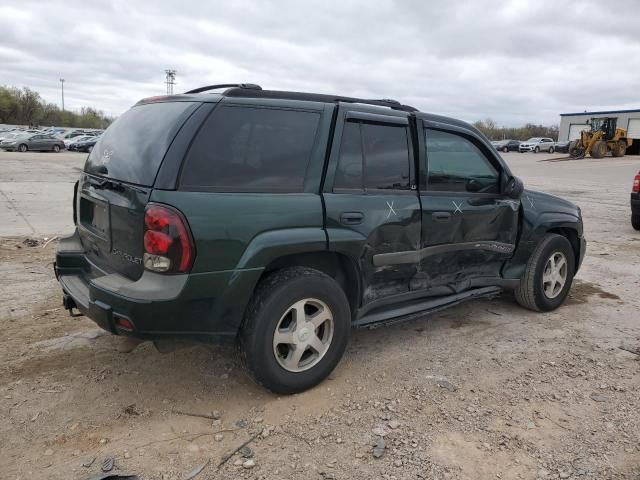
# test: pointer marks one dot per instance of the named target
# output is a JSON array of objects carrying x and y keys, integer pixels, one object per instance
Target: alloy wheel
[{"x": 554, "y": 276}]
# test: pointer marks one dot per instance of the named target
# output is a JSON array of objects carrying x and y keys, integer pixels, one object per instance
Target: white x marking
[
  {"x": 458, "y": 209},
  {"x": 391, "y": 210},
  {"x": 531, "y": 202}
]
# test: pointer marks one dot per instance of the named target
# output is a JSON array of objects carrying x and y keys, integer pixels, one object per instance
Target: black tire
[
  {"x": 274, "y": 296},
  {"x": 505, "y": 149},
  {"x": 620, "y": 150},
  {"x": 530, "y": 294},
  {"x": 56, "y": 148},
  {"x": 551, "y": 150},
  {"x": 635, "y": 220},
  {"x": 599, "y": 149},
  {"x": 536, "y": 150},
  {"x": 22, "y": 148}
]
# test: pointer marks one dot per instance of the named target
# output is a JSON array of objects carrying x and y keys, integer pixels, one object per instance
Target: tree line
[
  {"x": 493, "y": 132},
  {"x": 27, "y": 107}
]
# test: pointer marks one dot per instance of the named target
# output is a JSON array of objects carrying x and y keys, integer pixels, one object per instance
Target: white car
[
  {"x": 69, "y": 141},
  {"x": 537, "y": 144}
]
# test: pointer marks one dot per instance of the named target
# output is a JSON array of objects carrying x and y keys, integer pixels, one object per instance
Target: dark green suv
[{"x": 280, "y": 220}]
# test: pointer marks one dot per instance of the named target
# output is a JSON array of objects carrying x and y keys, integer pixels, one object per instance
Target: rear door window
[
  {"x": 251, "y": 149},
  {"x": 133, "y": 147},
  {"x": 373, "y": 157}
]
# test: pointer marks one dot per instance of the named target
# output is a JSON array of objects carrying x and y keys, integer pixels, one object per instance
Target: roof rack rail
[
  {"x": 316, "y": 97},
  {"x": 251, "y": 86}
]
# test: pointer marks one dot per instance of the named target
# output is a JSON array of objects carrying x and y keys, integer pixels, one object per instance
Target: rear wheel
[
  {"x": 296, "y": 329},
  {"x": 635, "y": 220},
  {"x": 23, "y": 148},
  {"x": 56, "y": 148},
  {"x": 620, "y": 149},
  {"x": 551, "y": 150},
  {"x": 505, "y": 149},
  {"x": 548, "y": 276},
  {"x": 599, "y": 149}
]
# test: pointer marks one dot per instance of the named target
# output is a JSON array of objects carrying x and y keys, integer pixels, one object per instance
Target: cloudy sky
[{"x": 513, "y": 61}]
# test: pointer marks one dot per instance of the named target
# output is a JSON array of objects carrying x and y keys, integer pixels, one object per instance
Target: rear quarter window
[
  {"x": 251, "y": 149},
  {"x": 132, "y": 148}
]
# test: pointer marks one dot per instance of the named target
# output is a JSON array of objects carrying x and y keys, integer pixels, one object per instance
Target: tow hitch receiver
[{"x": 69, "y": 304}]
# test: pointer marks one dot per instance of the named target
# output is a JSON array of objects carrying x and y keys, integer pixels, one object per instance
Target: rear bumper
[
  {"x": 206, "y": 307},
  {"x": 635, "y": 203}
]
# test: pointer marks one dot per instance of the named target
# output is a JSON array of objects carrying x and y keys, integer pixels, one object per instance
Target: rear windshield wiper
[{"x": 112, "y": 185}]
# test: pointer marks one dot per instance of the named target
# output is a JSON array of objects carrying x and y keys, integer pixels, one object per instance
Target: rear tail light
[
  {"x": 636, "y": 184},
  {"x": 168, "y": 247}
]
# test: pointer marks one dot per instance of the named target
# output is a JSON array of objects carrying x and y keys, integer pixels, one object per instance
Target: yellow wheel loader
[{"x": 603, "y": 138}]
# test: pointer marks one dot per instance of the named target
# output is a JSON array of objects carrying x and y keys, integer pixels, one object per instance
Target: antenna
[{"x": 170, "y": 80}]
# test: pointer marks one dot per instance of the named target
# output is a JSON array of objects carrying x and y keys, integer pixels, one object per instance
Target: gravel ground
[{"x": 485, "y": 390}]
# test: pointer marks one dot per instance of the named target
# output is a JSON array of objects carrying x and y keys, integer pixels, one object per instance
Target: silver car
[
  {"x": 537, "y": 144},
  {"x": 38, "y": 141}
]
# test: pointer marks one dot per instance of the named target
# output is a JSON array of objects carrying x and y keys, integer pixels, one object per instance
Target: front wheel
[
  {"x": 56, "y": 148},
  {"x": 551, "y": 150},
  {"x": 537, "y": 150},
  {"x": 635, "y": 221},
  {"x": 548, "y": 276},
  {"x": 296, "y": 329},
  {"x": 505, "y": 149}
]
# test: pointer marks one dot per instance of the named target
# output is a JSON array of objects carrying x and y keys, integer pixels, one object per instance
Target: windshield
[
  {"x": 534, "y": 139},
  {"x": 133, "y": 147}
]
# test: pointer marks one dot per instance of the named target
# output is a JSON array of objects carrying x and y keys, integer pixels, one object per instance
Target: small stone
[
  {"x": 249, "y": 463},
  {"x": 338, "y": 440},
  {"x": 378, "y": 448},
  {"x": 258, "y": 419},
  {"x": 127, "y": 455},
  {"x": 379, "y": 431},
  {"x": 218, "y": 437},
  {"x": 393, "y": 424},
  {"x": 397, "y": 463},
  {"x": 598, "y": 397},
  {"x": 461, "y": 418},
  {"x": 103, "y": 441},
  {"x": 48, "y": 452},
  {"x": 238, "y": 462},
  {"x": 216, "y": 415},
  {"x": 246, "y": 452},
  {"x": 565, "y": 474}
]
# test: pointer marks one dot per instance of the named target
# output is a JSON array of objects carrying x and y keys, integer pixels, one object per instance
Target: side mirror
[{"x": 514, "y": 188}]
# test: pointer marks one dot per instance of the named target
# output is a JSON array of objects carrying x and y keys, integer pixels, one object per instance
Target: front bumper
[
  {"x": 206, "y": 307},
  {"x": 525, "y": 149}
]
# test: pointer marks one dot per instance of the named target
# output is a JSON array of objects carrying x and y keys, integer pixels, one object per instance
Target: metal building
[{"x": 571, "y": 124}]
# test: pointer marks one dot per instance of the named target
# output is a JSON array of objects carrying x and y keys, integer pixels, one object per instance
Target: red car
[{"x": 635, "y": 202}]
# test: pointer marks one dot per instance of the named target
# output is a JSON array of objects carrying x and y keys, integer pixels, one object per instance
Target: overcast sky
[{"x": 514, "y": 61}]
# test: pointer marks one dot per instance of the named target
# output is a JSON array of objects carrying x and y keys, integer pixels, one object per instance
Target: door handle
[
  {"x": 351, "y": 218},
  {"x": 441, "y": 216}
]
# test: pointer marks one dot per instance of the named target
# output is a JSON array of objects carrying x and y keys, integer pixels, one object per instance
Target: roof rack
[
  {"x": 314, "y": 97},
  {"x": 251, "y": 86}
]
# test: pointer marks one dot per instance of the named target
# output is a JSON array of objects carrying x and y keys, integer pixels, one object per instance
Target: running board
[{"x": 407, "y": 312}]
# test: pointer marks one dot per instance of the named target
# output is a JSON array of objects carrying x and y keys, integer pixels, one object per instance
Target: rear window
[
  {"x": 250, "y": 149},
  {"x": 133, "y": 147}
]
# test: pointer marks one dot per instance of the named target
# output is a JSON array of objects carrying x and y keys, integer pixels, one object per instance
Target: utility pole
[
  {"x": 62, "y": 87},
  {"x": 170, "y": 80}
]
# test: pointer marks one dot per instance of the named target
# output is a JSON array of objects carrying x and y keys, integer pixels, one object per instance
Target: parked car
[
  {"x": 84, "y": 145},
  {"x": 635, "y": 203},
  {"x": 71, "y": 134},
  {"x": 537, "y": 144},
  {"x": 69, "y": 141},
  {"x": 38, "y": 141},
  {"x": 562, "y": 147},
  {"x": 506, "y": 145},
  {"x": 279, "y": 220}
]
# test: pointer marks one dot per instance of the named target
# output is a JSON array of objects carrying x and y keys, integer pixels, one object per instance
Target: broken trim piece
[{"x": 415, "y": 256}]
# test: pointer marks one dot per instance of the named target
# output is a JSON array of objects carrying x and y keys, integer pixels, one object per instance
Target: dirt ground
[{"x": 483, "y": 391}]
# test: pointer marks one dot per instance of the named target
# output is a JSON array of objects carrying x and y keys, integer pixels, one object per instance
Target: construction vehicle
[{"x": 603, "y": 138}]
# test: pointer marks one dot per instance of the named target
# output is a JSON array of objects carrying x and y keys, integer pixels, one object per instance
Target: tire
[
  {"x": 22, "y": 148},
  {"x": 635, "y": 221},
  {"x": 271, "y": 310},
  {"x": 551, "y": 150},
  {"x": 599, "y": 149},
  {"x": 56, "y": 148},
  {"x": 537, "y": 149},
  {"x": 620, "y": 150},
  {"x": 505, "y": 149},
  {"x": 533, "y": 291}
]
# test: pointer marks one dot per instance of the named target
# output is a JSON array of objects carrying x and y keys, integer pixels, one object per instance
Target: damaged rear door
[
  {"x": 469, "y": 228},
  {"x": 371, "y": 201}
]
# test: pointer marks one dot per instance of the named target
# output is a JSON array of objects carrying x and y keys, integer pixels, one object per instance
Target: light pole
[{"x": 62, "y": 87}]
